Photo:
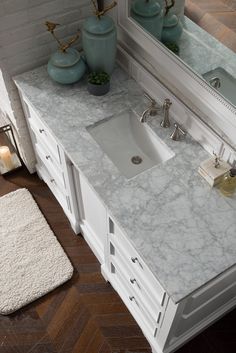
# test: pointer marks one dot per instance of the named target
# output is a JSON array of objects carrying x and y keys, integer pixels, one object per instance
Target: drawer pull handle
[
  {"x": 132, "y": 299},
  {"x": 52, "y": 180},
  {"x": 136, "y": 260},
  {"x": 48, "y": 157},
  {"x": 41, "y": 131},
  {"x": 134, "y": 281}
]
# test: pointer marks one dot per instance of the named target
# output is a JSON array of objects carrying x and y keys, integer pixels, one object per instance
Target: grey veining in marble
[{"x": 184, "y": 230}]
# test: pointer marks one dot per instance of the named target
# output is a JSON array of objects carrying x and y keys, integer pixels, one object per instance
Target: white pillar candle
[{"x": 5, "y": 156}]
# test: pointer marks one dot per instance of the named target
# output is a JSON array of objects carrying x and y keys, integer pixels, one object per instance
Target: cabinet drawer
[
  {"x": 203, "y": 297},
  {"x": 133, "y": 260},
  {"x": 140, "y": 290},
  {"x": 50, "y": 164},
  {"x": 127, "y": 294},
  {"x": 63, "y": 199},
  {"x": 42, "y": 133}
]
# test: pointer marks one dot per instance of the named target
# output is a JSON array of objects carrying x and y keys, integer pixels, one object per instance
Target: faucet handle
[
  {"x": 151, "y": 100},
  {"x": 176, "y": 133}
]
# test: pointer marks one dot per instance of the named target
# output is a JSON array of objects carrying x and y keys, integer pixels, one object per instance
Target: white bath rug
[{"x": 32, "y": 262}]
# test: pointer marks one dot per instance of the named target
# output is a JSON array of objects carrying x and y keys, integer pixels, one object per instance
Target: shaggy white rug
[{"x": 32, "y": 262}]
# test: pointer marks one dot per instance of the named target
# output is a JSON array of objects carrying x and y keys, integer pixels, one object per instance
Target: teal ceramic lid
[
  {"x": 146, "y": 8},
  {"x": 170, "y": 20},
  {"x": 98, "y": 26},
  {"x": 65, "y": 59}
]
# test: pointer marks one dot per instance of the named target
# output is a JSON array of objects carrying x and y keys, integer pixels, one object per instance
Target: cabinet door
[{"x": 92, "y": 216}]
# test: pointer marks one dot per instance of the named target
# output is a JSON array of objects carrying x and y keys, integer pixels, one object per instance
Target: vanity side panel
[
  {"x": 93, "y": 215},
  {"x": 202, "y": 308}
]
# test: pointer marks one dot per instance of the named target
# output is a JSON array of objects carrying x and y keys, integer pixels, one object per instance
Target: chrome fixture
[
  {"x": 215, "y": 82},
  {"x": 152, "y": 110},
  {"x": 166, "y": 109},
  {"x": 177, "y": 133},
  {"x": 136, "y": 160}
]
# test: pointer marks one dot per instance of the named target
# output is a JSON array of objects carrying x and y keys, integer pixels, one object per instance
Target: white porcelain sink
[
  {"x": 123, "y": 137},
  {"x": 227, "y": 83}
]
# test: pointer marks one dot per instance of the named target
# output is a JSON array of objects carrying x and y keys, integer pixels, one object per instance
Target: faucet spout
[
  {"x": 144, "y": 116},
  {"x": 152, "y": 110}
]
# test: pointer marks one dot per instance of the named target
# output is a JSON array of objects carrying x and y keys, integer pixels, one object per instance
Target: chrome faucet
[
  {"x": 215, "y": 82},
  {"x": 176, "y": 134},
  {"x": 152, "y": 110},
  {"x": 166, "y": 110}
]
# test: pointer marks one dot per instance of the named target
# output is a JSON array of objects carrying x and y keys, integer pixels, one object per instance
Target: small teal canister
[
  {"x": 149, "y": 14},
  {"x": 99, "y": 40},
  {"x": 172, "y": 29},
  {"x": 66, "y": 67}
]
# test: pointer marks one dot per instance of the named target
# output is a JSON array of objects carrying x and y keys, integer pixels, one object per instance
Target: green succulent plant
[
  {"x": 173, "y": 47},
  {"x": 98, "y": 78}
]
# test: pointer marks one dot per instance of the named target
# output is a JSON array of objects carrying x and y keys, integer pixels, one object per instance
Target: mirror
[{"x": 207, "y": 57}]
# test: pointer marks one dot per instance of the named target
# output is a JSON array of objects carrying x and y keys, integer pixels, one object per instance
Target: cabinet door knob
[
  {"x": 52, "y": 180},
  {"x": 41, "y": 131},
  {"x": 48, "y": 157}
]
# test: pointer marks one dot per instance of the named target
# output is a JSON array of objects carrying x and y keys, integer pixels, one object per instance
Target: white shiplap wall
[{"x": 25, "y": 44}]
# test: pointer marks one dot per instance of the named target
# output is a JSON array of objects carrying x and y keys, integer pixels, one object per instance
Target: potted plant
[{"x": 98, "y": 83}]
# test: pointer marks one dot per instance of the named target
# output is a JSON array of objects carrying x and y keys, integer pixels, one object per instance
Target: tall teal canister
[
  {"x": 172, "y": 29},
  {"x": 149, "y": 14},
  {"x": 99, "y": 40}
]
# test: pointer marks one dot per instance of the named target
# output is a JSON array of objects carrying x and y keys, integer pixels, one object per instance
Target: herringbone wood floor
[
  {"x": 217, "y": 17},
  {"x": 85, "y": 315}
]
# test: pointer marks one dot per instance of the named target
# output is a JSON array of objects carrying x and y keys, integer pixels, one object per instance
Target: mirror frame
[{"x": 186, "y": 85}]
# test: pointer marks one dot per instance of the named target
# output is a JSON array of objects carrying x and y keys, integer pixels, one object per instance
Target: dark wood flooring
[
  {"x": 217, "y": 17},
  {"x": 85, "y": 315}
]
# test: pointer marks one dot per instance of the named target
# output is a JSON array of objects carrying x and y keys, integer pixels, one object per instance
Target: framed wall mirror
[{"x": 194, "y": 65}]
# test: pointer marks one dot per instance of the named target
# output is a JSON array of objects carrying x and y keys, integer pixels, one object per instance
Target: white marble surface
[{"x": 184, "y": 230}]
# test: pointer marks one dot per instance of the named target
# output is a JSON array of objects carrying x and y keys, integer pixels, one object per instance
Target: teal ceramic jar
[
  {"x": 172, "y": 29},
  {"x": 99, "y": 40},
  {"x": 66, "y": 67},
  {"x": 149, "y": 14}
]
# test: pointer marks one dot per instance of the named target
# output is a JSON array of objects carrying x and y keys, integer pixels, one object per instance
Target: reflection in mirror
[{"x": 204, "y": 54}]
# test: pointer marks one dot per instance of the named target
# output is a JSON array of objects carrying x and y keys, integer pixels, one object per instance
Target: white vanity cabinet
[
  {"x": 92, "y": 214},
  {"x": 165, "y": 324},
  {"x": 52, "y": 164},
  {"x": 136, "y": 285}
]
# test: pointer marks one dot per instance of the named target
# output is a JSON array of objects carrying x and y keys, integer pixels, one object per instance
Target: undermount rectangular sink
[
  {"x": 223, "y": 82},
  {"x": 131, "y": 145}
]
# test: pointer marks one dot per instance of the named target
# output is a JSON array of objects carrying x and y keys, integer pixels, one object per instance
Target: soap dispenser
[{"x": 228, "y": 185}]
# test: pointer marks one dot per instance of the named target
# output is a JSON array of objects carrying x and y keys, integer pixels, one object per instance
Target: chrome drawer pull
[
  {"x": 41, "y": 131},
  {"x": 132, "y": 299},
  {"x": 133, "y": 280},
  {"x": 48, "y": 157},
  {"x": 136, "y": 260}
]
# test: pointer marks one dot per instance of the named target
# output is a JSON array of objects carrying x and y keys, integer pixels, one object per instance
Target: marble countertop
[{"x": 184, "y": 230}]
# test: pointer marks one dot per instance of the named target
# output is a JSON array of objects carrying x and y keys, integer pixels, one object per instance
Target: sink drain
[{"x": 136, "y": 160}]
